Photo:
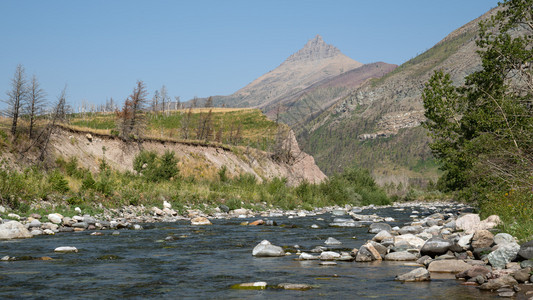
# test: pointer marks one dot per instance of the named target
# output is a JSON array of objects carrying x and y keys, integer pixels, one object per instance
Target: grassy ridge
[{"x": 243, "y": 127}]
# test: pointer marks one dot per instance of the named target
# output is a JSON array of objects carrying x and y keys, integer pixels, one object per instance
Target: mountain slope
[
  {"x": 316, "y": 61},
  {"x": 378, "y": 125}
]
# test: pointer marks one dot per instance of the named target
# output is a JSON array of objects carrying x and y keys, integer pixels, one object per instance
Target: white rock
[
  {"x": 200, "y": 221},
  {"x": 157, "y": 211},
  {"x": 66, "y": 249},
  {"x": 332, "y": 241},
  {"x": 36, "y": 232},
  {"x": 411, "y": 239},
  {"x": 48, "y": 232},
  {"x": 382, "y": 235},
  {"x": 314, "y": 226},
  {"x": 389, "y": 219},
  {"x": 167, "y": 205},
  {"x": 77, "y": 218},
  {"x": 2, "y": 209},
  {"x": 55, "y": 218},
  {"x": 329, "y": 255},
  {"x": 307, "y": 256},
  {"x": 13, "y": 216},
  {"x": 78, "y": 210},
  {"x": 266, "y": 249},
  {"x": 464, "y": 241},
  {"x": 13, "y": 230}
]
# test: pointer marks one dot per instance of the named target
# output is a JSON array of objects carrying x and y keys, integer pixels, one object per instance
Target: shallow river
[{"x": 204, "y": 261}]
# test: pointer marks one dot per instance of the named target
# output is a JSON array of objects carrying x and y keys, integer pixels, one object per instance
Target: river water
[{"x": 204, "y": 261}]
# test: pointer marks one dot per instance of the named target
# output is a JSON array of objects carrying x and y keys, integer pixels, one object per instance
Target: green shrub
[{"x": 58, "y": 182}]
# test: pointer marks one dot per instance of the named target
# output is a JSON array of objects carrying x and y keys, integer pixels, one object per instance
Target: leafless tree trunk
[
  {"x": 16, "y": 97},
  {"x": 36, "y": 103},
  {"x": 155, "y": 101},
  {"x": 132, "y": 111},
  {"x": 164, "y": 98}
]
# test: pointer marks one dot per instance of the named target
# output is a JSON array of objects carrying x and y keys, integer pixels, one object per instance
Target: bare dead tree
[
  {"x": 16, "y": 97},
  {"x": 186, "y": 123},
  {"x": 155, "y": 101},
  {"x": 132, "y": 121},
  {"x": 178, "y": 102},
  {"x": 36, "y": 103},
  {"x": 164, "y": 98},
  {"x": 209, "y": 102},
  {"x": 58, "y": 115}
]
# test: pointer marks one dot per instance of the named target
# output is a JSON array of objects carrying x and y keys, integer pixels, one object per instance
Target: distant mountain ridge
[{"x": 305, "y": 84}]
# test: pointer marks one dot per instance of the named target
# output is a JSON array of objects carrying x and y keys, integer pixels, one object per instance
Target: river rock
[
  {"x": 2, "y": 209},
  {"x": 294, "y": 286},
  {"x": 36, "y": 232},
  {"x": 418, "y": 274},
  {"x": 400, "y": 256},
  {"x": 259, "y": 285},
  {"x": 410, "y": 230},
  {"x": 80, "y": 225},
  {"x": 257, "y": 223},
  {"x": 522, "y": 275},
  {"x": 266, "y": 249},
  {"x": 448, "y": 266},
  {"x": 468, "y": 223},
  {"x": 157, "y": 211},
  {"x": 377, "y": 227},
  {"x": 464, "y": 241},
  {"x": 526, "y": 250},
  {"x": 239, "y": 212},
  {"x": 77, "y": 209},
  {"x": 503, "y": 255},
  {"x": 55, "y": 218},
  {"x": 13, "y": 230},
  {"x": 410, "y": 239},
  {"x": 307, "y": 256},
  {"x": 503, "y": 238},
  {"x": 482, "y": 239},
  {"x": 200, "y": 221},
  {"x": 343, "y": 222},
  {"x": 338, "y": 212},
  {"x": 66, "y": 249},
  {"x": 13, "y": 216},
  {"x": 472, "y": 272},
  {"x": 382, "y": 250},
  {"x": 36, "y": 216},
  {"x": 35, "y": 223},
  {"x": 332, "y": 241},
  {"x": 329, "y": 255},
  {"x": 436, "y": 246},
  {"x": 382, "y": 235},
  {"x": 494, "y": 284},
  {"x": 224, "y": 208},
  {"x": 367, "y": 252}
]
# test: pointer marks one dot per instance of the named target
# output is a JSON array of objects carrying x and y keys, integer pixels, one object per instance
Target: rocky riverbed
[{"x": 431, "y": 242}]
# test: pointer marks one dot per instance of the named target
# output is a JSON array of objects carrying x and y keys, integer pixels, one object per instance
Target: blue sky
[{"x": 99, "y": 49}]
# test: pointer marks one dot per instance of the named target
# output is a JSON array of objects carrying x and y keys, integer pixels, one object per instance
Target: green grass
[
  {"x": 515, "y": 208},
  {"x": 21, "y": 191}
]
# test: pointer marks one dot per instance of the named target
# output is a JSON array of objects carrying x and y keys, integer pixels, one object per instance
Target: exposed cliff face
[
  {"x": 194, "y": 160},
  {"x": 378, "y": 125}
]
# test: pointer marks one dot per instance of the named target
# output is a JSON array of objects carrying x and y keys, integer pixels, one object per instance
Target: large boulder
[
  {"x": 418, "y": 274},
  {"x": 367, "y": 252},
  {"x": 469, "y": 223},
  {"x": 377, "y": 227},
  {"x": 382, "y": 235},
  {"x": 448, "y": 266},
  {"x": 14, "y": 230},
  {"x": 329, "y": 255},
  {"x": 526, "y": 250},
  {"x": 482, "y": 239},
  {"x": 436, "y": 246},
  {"x": 503, "y": 255},
  {"x": 266, "y": 249}
]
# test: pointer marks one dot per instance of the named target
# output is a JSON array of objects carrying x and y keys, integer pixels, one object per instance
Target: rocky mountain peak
[{"x": 315, "y": 49}]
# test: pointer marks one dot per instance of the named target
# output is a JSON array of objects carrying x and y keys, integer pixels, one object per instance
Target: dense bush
[{"x": 155, "y": 168}]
